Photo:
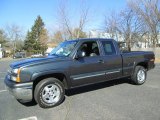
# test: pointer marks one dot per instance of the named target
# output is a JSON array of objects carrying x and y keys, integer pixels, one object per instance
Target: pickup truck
[{"x": 75, "y": 63}]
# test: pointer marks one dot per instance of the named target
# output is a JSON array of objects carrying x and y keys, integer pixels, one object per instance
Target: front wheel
[
  {"x": 49, "y": 93},
  {"x": 139, "y": 76}
]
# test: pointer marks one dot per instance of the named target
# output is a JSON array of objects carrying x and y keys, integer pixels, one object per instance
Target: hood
[{"x": 34, "y": 61}]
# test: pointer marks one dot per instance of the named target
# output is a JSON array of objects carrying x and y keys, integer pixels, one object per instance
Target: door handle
[{"x": 100, "y": 61}]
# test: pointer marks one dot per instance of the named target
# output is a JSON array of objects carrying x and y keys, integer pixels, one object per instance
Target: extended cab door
[
  {"x": 89, "y": 68},
  {"x": 112, "y": 59}
]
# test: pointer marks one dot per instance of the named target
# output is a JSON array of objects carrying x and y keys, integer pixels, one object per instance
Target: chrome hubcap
[
  {"x": 141, "y": 75},
  {"x": 51, "y": 94}
]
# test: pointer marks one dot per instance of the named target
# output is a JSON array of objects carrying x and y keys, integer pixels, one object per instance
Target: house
[
  {"x": 100, "y": 34},
  {"x": 145, "y": 42}
]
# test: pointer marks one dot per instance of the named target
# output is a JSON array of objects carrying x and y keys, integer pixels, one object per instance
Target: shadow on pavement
[
  {"x": 97, "y": 86},
  {"x": 28, "y": 104},
  {"x": 33, "y": 103}
]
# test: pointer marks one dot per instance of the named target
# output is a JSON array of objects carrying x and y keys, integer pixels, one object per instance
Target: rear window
[{"x": 108, "y": 47}]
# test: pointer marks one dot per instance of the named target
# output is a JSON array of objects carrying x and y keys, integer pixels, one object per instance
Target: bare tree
[
  {"x": 14, "y": 35},
  {"x": 125, "y": 24},
  {"x": 57, "y": 37},
  {"x": 83, "y": 18},
  {"x": 148, "y": 12},
  {"x": 111, "y": 25},
  {"x": 129, "y": 26},
  {"x": 66, "y": 22}
]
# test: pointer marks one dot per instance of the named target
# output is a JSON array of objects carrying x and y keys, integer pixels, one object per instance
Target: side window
[
  {"x": 90, "y": 48},
  {"x": 109, "y": 48}
]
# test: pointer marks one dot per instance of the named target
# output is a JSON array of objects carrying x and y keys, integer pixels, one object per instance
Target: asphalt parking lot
[{"x": 115, "y": 100}]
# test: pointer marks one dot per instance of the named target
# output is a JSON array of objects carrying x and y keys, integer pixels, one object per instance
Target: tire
[
  {"x": 49, "y": 93},
  {"x": 139, "y": 76}
]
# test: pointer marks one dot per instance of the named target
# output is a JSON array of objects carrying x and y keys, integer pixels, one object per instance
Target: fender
[
  {"x": 142, "y": 62},
  {"x": 67, "y": 80}
]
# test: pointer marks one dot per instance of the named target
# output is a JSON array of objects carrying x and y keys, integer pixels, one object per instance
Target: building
[
  {"x": 100, "y": 34},
  {"x": 144, "y": 43}
]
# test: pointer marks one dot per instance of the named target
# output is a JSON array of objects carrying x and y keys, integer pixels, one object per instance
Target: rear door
[{"x": 112, "y": 60}]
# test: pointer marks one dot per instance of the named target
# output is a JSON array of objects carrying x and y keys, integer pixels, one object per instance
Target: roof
[{"x": 83, "y": 39}]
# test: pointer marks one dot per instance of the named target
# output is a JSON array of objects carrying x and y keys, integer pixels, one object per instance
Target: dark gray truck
[{"x": 72, "y": 64}]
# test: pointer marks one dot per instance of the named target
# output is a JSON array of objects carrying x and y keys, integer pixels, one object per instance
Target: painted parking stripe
[
  {"x": 29, "y": 118},
  {"x": 3, "y": 72},
  {"x": 3, "y": 91}
]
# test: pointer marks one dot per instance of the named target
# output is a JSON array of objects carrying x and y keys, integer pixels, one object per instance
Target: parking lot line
[
  {"x": 2, "y": 91},
  {"x": 29, "y": 118},
  {"x": 2, "y": 72}
]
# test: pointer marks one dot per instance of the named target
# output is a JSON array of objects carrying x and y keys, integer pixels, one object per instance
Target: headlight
[
  {"x": 15, "y": 74},
  {"x": 13, "y": 78},
  {"x": 15, "y": 71}
]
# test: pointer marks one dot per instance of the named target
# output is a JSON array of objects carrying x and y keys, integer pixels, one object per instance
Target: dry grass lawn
[{"x": 157, "y": 60}]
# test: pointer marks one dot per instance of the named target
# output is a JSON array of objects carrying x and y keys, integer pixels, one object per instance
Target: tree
[
  {"x": 125, "y": 24},
  {"x": 3, "y": 38},
  {"x": 14, "y": 35},
  {"x": 129, "y": 26},
  {"x": 70, "y": 31},
  {"x": 64, "y": 21},
  {"x": 148, "y": 12},
  {"x": 29, "y": 42},
  {"x": 78, "y": 33},
  {"x": 57, "y": 37},
  {"x": 36, "y": 39},
  {"x": 19, "y": 45},
  {"x": 43, "y": 40},
  {"x": 111, "y": 25},
  {"x": 82, "y": 21}
]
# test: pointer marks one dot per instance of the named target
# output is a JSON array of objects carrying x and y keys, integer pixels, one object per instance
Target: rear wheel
[
  {"x": 49, "y": 92},
  {"x": 139, "y": 76}
]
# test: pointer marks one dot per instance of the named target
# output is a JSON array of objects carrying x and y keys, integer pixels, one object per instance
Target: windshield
[{"x": 64, "y": 48}]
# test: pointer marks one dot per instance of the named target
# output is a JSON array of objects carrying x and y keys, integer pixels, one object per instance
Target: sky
[{"x": 24, "y": 12}]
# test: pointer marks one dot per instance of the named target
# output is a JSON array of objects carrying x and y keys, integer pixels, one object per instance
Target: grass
[{"x": 157, "y": 60}]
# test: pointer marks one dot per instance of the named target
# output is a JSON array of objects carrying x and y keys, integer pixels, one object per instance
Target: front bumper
[{"x": 21, "y": 91}]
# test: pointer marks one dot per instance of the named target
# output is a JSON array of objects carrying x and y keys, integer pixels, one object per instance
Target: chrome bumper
[{"x": 21, "y": 91}]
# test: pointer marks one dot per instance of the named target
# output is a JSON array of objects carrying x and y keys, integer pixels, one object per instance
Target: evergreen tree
[
  {"x": 29, "y": 42},
  {"x": 36, "y": 39}
]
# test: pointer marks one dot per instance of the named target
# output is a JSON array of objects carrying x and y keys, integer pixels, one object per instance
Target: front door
[{"x": 89, "y": 68}]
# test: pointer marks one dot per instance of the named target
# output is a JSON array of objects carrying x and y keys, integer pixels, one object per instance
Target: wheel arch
[
  {"x": 143, "y": 64},
  {"x": 36, "y": 78}
]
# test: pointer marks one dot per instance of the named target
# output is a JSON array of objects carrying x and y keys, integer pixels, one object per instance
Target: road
[{"x": 115, "y": 100}]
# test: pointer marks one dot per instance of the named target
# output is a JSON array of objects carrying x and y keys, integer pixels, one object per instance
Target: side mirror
[{"x": 80, "y": 54}]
